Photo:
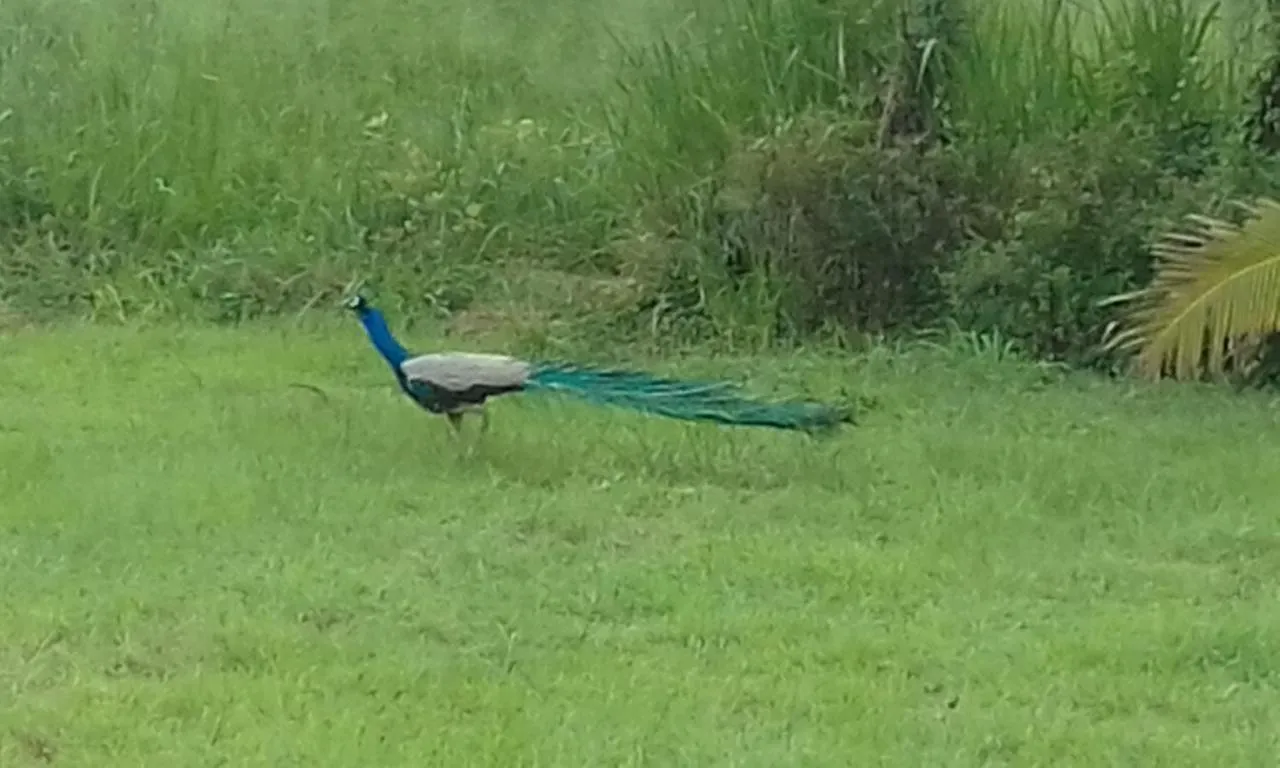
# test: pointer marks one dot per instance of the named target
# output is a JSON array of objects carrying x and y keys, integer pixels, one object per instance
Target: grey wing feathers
[{"x": 460, "y": 371}]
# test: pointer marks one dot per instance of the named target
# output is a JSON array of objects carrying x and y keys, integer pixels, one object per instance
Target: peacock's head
[{"x": 356, "y": 304}]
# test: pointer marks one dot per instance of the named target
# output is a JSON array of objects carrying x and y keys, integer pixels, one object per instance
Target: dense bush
[
  {"x": 1073, "y": 229},
  {"x": 837, "y": 228},
  {"x": 755, "y": 170}
]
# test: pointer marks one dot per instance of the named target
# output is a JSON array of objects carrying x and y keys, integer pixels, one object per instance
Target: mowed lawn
[{"x": 202, "y": 563}]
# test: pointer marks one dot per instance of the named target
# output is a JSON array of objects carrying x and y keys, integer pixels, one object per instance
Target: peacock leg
[
  {"x": 455, "y": 421},
  {"x": 484, "y": 420}
]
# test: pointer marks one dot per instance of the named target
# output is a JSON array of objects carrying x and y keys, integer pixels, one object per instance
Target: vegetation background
[{"x": 749, "y": 173}]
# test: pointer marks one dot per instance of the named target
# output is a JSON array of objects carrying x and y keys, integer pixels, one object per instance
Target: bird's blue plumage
[
  {"x": 450, "y": 383},
  {"x": 380, "y": 335},
  {"x": 375, "y": 325}
]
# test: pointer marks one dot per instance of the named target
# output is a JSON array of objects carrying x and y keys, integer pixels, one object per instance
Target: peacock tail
[{"x": 718, "y": 402}]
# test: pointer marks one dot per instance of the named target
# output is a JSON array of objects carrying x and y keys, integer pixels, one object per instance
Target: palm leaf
[{"x": 1215, "y": 295}]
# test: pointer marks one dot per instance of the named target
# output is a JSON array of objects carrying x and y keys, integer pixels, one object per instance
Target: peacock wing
[{"x": 467, "y": 371}]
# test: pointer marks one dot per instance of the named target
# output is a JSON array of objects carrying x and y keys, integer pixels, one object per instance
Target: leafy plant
[{"x": 1214, "y": 301}]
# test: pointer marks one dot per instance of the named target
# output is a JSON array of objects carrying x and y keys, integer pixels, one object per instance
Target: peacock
[{"x": 454, "y": 383}]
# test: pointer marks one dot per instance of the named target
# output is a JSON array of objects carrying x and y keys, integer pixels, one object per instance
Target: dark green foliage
[
  {"x": 1263, "y": 121},
  {"x": 846, "y": 231},
  {"x": 1075, "y": 219}
]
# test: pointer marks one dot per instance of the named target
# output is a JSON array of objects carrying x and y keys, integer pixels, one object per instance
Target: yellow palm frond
[{"x": 1216, "y": 287}]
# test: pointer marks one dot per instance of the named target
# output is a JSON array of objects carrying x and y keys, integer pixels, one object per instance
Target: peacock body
[{"x": 453, "y": 383}]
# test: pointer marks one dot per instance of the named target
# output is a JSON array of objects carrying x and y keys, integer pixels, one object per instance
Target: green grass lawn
[{"x": 202, "y": 564}]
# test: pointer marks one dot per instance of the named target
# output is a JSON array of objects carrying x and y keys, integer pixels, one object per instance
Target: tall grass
[
  {"x": 1047, "y": 67},
  {"x": 229, "y": 151},
  {"x": 167, "y": 122}
]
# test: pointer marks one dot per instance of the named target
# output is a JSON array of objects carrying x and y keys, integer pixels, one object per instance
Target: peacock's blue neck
[{"x": 380, "y": 335}]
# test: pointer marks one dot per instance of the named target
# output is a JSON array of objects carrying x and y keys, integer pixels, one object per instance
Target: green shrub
[
  {"x": 1075, "y": 227},
  {"x": 839, "y": 229}
]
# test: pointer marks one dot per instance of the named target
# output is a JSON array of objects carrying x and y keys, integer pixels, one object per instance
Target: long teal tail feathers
[{"x": 717, "y": 402}]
